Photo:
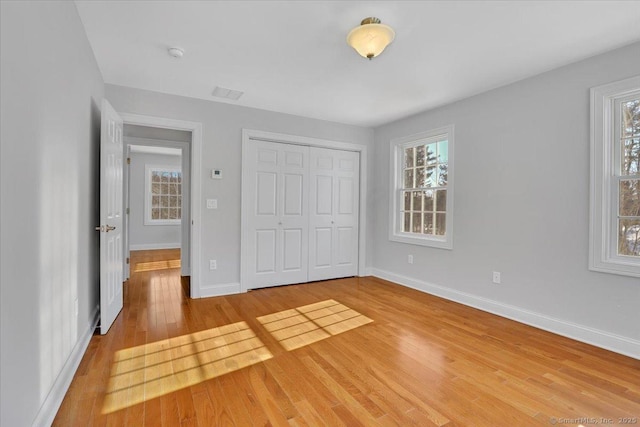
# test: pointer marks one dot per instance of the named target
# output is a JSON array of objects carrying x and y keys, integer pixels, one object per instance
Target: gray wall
[
  {"x": 141, "y": 235},
  {"x": 222, "y": 126},
  {"x": 521, "y": 200},
  {"x": 50, "y": 127},
  {"x": 146, "y": 132}
]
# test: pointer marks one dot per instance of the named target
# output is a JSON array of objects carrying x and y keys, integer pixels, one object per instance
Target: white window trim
[
  {"x": 147, "y": 195},
  {"x": 602, "y": 252},
  {"x": 395, "y": 174}
]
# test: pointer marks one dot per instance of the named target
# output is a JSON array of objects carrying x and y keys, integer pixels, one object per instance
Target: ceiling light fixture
[
  {"x": 176, "y": 52},
  {"x": 370, "y": 38}
]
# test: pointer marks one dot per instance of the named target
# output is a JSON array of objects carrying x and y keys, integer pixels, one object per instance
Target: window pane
[
  {"x": 408, "y": 179},
  {"x": 164, "y": 201},
  {"x": 155, "y": 213},
  {"x": 417, "y": 201},
  {"x": 443, "y": 175},
  {"x": 629, "y": 237},
  {"x": 443, "y": 151},
  {"x": 155, "y": 201},
  {"x": 173, "y": 189},
  {"x": 441, "y": 200},
  {"x": 428, "y": 223},
  {"x": 408, "y": 157},
  {"x": 631, "y": 118},
  {"x": 420, "y": 178},
  {"x": 629, "y": 197},
  {"x": 441, "y": 224},
  {"x": 428, "y": 200},
  {"x": 430, "y": 180},
  {"x": 631, "y": 156},
  {"x": 420, "y": 155},
  {"x": 431, "y": 154},
  {"x": 407, "y": 222},
  {"x": 416, "y": 224},
  {"x": 164, "y": 177},
  {"x": 155, "y": 177},
  {"x": 406, "y": 195},
  {"x": 179, "y": 201}
]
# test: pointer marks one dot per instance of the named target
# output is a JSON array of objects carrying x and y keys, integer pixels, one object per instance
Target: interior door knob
[{"x": 109, "y": 228}]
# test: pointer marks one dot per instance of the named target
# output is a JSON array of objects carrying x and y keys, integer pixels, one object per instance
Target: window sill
[{"x": 412, "y": 239}]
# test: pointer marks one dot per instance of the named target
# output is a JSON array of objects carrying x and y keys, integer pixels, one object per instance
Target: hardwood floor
[{"x": 349, "y": 352}]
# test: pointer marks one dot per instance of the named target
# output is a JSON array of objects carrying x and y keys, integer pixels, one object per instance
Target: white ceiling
[{"x": 292, "y": 57}]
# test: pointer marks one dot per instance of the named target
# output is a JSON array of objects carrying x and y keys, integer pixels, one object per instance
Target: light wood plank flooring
[{"x": 350, "y": 352}]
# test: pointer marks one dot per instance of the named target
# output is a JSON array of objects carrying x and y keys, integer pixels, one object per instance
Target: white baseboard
[
  {"x": 52, "y": 403},
  {"x": 616, "y": 343},
  {"x": 219, "y": 290},
  {"x": 151, "y": 246}
]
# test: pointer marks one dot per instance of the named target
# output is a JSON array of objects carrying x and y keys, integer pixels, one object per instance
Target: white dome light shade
[{"x": 370, "y": 38}]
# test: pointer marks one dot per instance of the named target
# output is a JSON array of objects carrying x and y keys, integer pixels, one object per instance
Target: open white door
[{"x": 111, "y": 245}]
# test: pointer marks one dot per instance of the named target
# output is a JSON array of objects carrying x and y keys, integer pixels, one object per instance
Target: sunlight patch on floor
[
  {"x": 305, "y": 325},
  {"x": 156, "y": 265},
  {"x": 148, "y": 371}
]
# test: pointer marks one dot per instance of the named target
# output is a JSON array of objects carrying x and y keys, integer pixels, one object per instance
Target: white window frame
[
  {"x": 605, "y": 177},
  {"x": 395, "y": 195},
  {"x": 148, "y": 170}
]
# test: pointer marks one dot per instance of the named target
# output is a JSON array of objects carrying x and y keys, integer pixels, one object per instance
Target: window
[
  {"x": 615, "y": 178},
  {"x": 421, "y": 211},
  {"x": 163, "y": 201}
]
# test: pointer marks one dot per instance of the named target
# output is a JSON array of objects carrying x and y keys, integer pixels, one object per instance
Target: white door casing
[
  {"x": 275, "y": 194},
  {"x": 111, "y": 244},
  {"x": 333, "y": 213}
]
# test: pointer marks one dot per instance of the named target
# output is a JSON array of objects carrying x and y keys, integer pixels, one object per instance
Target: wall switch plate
[
  {"x": 213, "y": 264},
  {"x": 410, "y": 259},
  {"x": 216, "y": 174},
  {"x": 212, "y": 203},
  {"x": 496, "y": 277}
]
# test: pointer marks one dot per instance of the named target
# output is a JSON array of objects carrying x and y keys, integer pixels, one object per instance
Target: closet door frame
[{"x": 250, "y": 136}]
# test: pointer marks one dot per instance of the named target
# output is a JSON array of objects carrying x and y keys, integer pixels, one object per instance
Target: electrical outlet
[
  {"x": 213, "y": 264},
  {"x": 212, "y": 203},
  {"x": 410, "y": 259},
  {"x": 496, "y": 277}
]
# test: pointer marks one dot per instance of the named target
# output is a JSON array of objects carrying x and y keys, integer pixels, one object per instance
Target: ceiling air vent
[{"x": 222, "y": 92}]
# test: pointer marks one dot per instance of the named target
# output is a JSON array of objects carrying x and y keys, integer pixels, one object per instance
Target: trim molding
[
  {"x": 220, "y": 290},
  {"x": 151, "y": 246},
  {"x": 52, "y": 402},
  {"x": 608, "y": 341}
]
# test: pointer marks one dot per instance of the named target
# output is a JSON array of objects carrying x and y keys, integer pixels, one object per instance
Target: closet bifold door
[
  {"x": 277, "y": 181},
  {"x": 333, "y": 213}
]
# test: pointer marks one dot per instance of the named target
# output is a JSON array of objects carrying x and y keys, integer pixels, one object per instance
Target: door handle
[
  {"x": 105, "y": 228},
  {"x": 110, "y": 228}
]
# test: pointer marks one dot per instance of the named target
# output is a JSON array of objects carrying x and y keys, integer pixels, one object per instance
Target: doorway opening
[{"x": 157, "y": 200}]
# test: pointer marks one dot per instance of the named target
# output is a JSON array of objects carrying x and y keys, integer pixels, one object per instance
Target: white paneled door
[
  {"x": 333, "y": 213},
  {"x": 275, "y": 186},
  {"x": 300, "y": 219},
  {"x": 111, "y": 245}
]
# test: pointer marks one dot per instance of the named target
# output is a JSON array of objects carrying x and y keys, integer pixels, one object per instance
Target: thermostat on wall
[{"x": 216, "y": 174}]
